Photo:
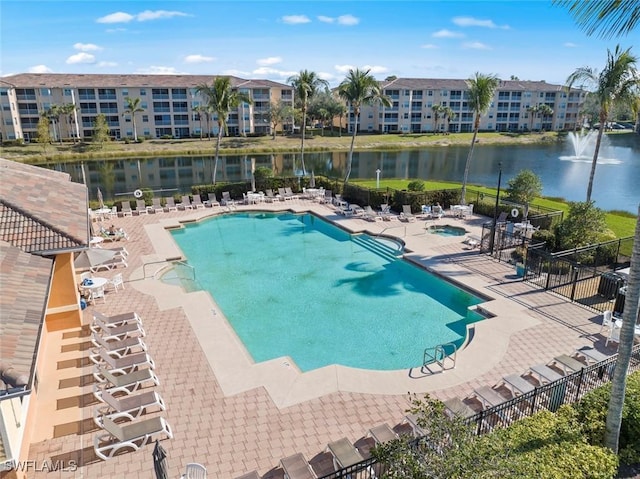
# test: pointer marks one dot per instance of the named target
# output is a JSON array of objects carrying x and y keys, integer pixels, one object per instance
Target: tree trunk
[
  {"x": 215, "y": 161},
  {"x": 629, "y": 318},
  {"x": 463, "y": 194},
  {"x": 135, "y": 132},
  {"x": 596, "y": 151},
  {"x": 353, "y": 140},
  {"x": 304, "y": 129}
]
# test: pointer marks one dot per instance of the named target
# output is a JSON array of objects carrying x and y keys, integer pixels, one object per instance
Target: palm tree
[
  {"x": 448, "y": 115},
  {"x": 629, "y": 318},
  {"x": 481, "y": 91},
  {"x": 533, "y": 111},
  {"x": 133, "y": 106},
  {"x": 306, "y": 84},
  {"x": 544, "y": 111},
  {"x": 66, "y": 111},
  {"x": 359, "y": 88},
  {"x": 437, "y": 109},
  {"x": 341, "y": 111},
  {"x": 278, "y": 113},
  {"x": 53, "y": 115},
  {"x": 610, "y": 17},
  {"x": 617, "y": 83},
  {"x": 199, "y": 109},
  {"x": 221, "y": 98}
]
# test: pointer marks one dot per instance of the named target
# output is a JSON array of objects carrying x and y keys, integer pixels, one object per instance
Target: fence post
[{"x": 574, "y": 281}]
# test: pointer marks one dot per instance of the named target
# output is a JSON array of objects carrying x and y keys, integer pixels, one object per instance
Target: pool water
[
  {"x": 298, "y": 286},
  {"x": 447, "y": 230}
]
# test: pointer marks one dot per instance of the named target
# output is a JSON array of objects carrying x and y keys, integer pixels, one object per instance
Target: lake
[{"x": 563, "y": 173}]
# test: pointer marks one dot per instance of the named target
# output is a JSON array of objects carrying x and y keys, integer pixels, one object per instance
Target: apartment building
[
  {"x": 514, "y": 107},
  {"x": 170, "y": 104}
]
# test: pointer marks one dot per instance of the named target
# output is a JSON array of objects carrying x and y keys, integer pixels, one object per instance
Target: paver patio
[{"x": 233, "y": 416}]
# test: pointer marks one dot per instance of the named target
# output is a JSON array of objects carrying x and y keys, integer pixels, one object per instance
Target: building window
[
  {"x": 143, "y": 91},
  {"x": 66, "y": 91}
]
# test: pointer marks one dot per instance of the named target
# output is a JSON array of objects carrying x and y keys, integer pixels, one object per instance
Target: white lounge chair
[
  {"x": 488, "y": 396},
  {"x": 118, "y": 347},
  {"x": 193, "y": 470},
  {"x": 197, "y": 202},
  {"x": 109, "y": 265},
  {"x": 132, "y": 435},
  {"x": 117, "y": 332},
  {"x": 170, "y": 204},
  {"x": 297, "y": 467},
  {"x": 123, "y": 365},
  {"x": 141, "y": 207},
  {"x": 290, "y": 194},
  {"x": 518, "y": 384},
  {"x": 357, "y": 211},
  {"x": 131, "y": 406},
  {"x": 186, "y": 203},
  {"x": 283, "y": 194},
  {"x": 455, "y": 407},
  {"x": 156, "y": 207},
  {"x": 591, "y": 355},
  {"x": 569, "y": 365},
  {"x": 385, "y": 212},
  {"x": 116, "y": 319},
  {"x": 545, "y": 374},
  {"x": 382, "y": 433},
  {"x": 370, "y": 214},
  {"x": 406, "y": 214},
  {"x": 270, "y": 197},
  {"x": 344, "y": 453},
  {"x": 125, "y": 207},
  {"x": 226, "y": 199},
  {"x": 122, "y": 383},
  {"x": 211, "y": 200}
]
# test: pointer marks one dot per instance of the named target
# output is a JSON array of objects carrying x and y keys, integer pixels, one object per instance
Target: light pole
[
  {"x": 495, "y": 211},
  {"x": 378, "y": 179}
]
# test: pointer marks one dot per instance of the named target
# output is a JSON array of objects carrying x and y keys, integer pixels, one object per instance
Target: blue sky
[{"x": 533, "y": 40}]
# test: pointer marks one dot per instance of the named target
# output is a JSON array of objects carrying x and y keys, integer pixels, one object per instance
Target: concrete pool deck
[{"x": 234, "y": 416}]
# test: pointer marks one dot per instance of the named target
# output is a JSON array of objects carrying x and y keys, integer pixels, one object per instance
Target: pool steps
[{"x": 378, "y": 247}]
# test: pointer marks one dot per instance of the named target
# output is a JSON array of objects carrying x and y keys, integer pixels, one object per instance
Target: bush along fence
[{"x": 567, "y": 390}]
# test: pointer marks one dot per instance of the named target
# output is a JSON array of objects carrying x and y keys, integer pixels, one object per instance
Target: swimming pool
[
  {"x": 447, "y": 230},
  {"x": 298, "y": 286}
]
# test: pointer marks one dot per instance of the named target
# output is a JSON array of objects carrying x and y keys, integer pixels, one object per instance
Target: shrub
[
  {"x": 416, "y": 185},
  {"x": 592, "y": 414},
  {"x": 140, "y": 139},
  {"x": 547, "y": 237}
]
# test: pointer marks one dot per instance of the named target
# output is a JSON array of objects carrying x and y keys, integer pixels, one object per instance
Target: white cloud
[
  {"x": 475, "y": 22},
  {"x": 570, "y": 45},
  {"x": 159, "y": 70},
  {"x": 444, "y": 33},
  {"x": 236, "y": 73},
  {"x": 324, "y": 19},
  {"x": 327, "y": 76},
  {"x": 40, "y": 69},
  {"x": 429, "y": 46},
  {"x": 476, "y": 46},
  {"x": 295, "y": 19},
  {"x": 158, "y": 14},
  {"x": 198, "y": 59},
  {"x": 81, "y": 57},
  {"x": 272, "y": 72},
  {"x": 123, "y": 17},
  {"x": 348, "y": 20},
  {"x": 269, "y": 61},
  {"x": 344, "y": 68},
  {"x": 86, "y": 47},
  {"x": 118, "y": 17},
  {"x": 107, "y": 64},
  {"x": 373, "y": 69}
]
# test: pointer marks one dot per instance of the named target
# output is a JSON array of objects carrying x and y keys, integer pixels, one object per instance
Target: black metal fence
[{"x": 566, "y": 390}]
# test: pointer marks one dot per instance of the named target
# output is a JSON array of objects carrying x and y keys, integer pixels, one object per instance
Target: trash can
[
  {"x": 609, "y": 285},
  {"x": 620, "y": 299}
]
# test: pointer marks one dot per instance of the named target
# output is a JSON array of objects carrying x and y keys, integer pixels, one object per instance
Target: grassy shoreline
[{"x": 68, "y": 151}]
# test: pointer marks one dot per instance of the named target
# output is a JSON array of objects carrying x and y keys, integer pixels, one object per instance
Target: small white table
[
  {"x": 102, "y": 213},
  {"x": 254, "y": 198},
  {"x": 96, "y": 282}
]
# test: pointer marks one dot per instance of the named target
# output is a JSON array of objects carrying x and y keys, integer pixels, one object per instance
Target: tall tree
[
  {"x": 437, "y": 109},
  {"x": 359, "y": 88},
  {"x": 544, "y": 111},
  {"x": 533, "y": 111},
  {"x": 482, "y": 88},
  {"x": 629, "y": 321},
  {"x": 618, "y": 82},
  {"x": 607, "y": 18},
  {"x": 53, "y": 114},
  {"x": 448, "y": 115},
  {"x": 222, "y": 98},
  {"x": 199, "y": 110},
  {"x": 133, "y": 106},
  {"x": 100, "y": 130},
  {"x": 44, "y": 134},
  {"x": 278, "y": 113},
  {"x": 306, "y": 85}
]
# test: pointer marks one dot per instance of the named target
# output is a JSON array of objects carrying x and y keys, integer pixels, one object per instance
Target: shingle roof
[
  {"x": 24, "y": 285},
  {"x": 42, "y": 211},
  {"x": 458, "y": 84},
  {"x": 62, "y": 80}
]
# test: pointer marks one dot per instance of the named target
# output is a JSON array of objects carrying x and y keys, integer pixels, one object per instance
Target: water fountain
[{"x": 583, "y": 145}]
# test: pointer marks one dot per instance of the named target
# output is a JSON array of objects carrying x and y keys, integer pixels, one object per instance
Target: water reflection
[{"x": 615, "y": 185}]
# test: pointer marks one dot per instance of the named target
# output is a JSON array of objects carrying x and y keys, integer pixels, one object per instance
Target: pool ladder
[{"x": 442, "y": 354}]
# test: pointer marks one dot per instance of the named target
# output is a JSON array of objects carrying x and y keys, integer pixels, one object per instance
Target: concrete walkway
[{"x": 235, "y": 416}]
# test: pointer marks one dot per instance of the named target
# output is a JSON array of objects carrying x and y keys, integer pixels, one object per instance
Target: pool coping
[{"x": 285, "y": 383}]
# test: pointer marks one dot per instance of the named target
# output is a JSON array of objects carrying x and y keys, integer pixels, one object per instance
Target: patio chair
[
  {"x": 614, "y": 335},
  {"x": 502, "y": 218},
  {"x": 226, "y": 199},
  {"x": 116, "y": 319},
  {"x": 370, "y": 214},
  {"x": 297, "y": 467},
  {"x": 117, "y": 332},
  {"x": 109, "y": 265},
  {"x": 117, "y": 282},
  {"x": 412, "y": 420},
  {"x": 436, "y": 212},
  {"x": 141, "y": 207},
  {"x": 607, "y": 320},
  {"x": 130, "y": 406},
  {"x": 488, "y": 396},
  {"x": 131, "y": 435},
  {"x": 211, "y": 200},
  {"x": 406, "y": 214},
  {"x": 97, "y": 293},
  {"x": 357, "y": 210},
  {"x": 544, "y": 373},
  {"x": 197, "y": 202},
  {"x": 122, "y": 383},
  {"x": 591, "y": 355},
  {"x": 120, "y": 251},
  {"x": 517, "y": 384},
  {"x": 327, "y": 198},
  {"x": 125, "y": 207},
  {"x": 456, "y": 407},
  {"x": 385, "y": 212},
  {"x": 119, "y": 347},
  {"x": 269, "y": 196},
  {"x": 382, "y": 433},
  {"x": 283, "y": 194},
  {"x": 156, "y": 206},
  {"x": 193, "y": 470},
  {"x": 170, "y": 204},
  {"x": 123, "y": 365},
  {"x": 568, "y": 364},
  {"x": 344, "y": 453},
  {"x": 186, "y": 203},
  {"x": 289, "y": 193}
]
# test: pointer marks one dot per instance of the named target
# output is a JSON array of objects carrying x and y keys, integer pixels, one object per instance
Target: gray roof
[
  {"x": 457, "y": 84},
  {"x": 73, "y": 80},
  {"x": 42, "y": 211}
]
